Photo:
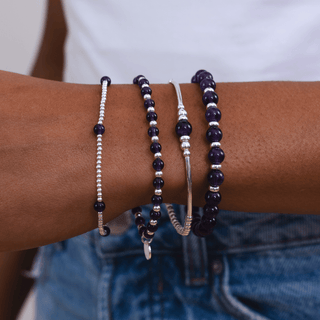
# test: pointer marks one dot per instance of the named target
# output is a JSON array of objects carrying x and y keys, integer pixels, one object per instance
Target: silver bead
[
  {"x": 215, "y": 166},
  {"x": 99, "y": 171},
  {"x": 99, "y": 149},
  {"x": 153, "y": 222},
  {"x": 144, "y": 85},
  {"x": 214, "y": 189},
  {"x": 99, "y": 194},
  {"x": 155, "y": 139},
  {"x": 158, "y": 192},
  {"x": 103, "y": 99},
  {"x": 213, "y": 123},
  {"x": 99, "y": 139},
  {"x": 99, "y": 189},
  {"x": 100, "y": 121},
  {"x": 208, "y": 89},
  {"x": 180, "y": 106},
  {"x": 99, "y": 157},
  {"x": 98, "y": 180},
  {"x": 153, "y": 123},
  {"x": 186, "y": 152},
  {"x": 151, "y": 109},
  {"x": 184, "y": 138},
  {"x": 102, "y": 105},
  {"x": 98, "y": 161},
  {"x": 99, "y": 152},
  {"x": 182, "y": 112},
  {"x": 185, "y": 144},
  {"x": 99, "y": 176},
  {"x": 98, "y": 166},
  {"x": 99, "y": 199},
  {"x": 99, "y": 185},
  {"x": 141, "y": 78},
  {"x": 147, "y": 96},
  {"x": 99, "y": 144},
  {"x": 99, "y": 135},
  {"x": 158, "y": 155},
  {"x": 137, "y": 214},
  {"x": 211, "y": 104},
  {"x": 182, "y": 118},
  {"x": 158, "y": 173},
  {"x": 156, "y": 208},
  {"x": 215, "y": 144}
]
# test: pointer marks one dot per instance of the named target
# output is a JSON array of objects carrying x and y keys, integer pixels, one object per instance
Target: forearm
[{"x": 48, "y": 153}]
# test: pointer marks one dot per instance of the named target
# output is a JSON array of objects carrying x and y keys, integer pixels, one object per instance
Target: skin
[{"x": 48, "y": 149}]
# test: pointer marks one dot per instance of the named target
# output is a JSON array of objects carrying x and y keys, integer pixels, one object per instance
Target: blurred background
[{"x": 21, "y": 25}]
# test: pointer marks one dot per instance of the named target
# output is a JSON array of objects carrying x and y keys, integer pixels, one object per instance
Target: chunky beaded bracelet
[
  {"x": 183, "y": 131},
  {"x": 147, "y": 232},
  {"x": 99, "y": 130},
  {"x": 203, "y": 226}
]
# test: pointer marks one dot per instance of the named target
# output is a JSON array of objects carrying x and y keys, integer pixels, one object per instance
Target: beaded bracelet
[
  {"x": 183, "y": 130},
  {"x": 147, "y": 232},
  {"x": 203, "y": 226},
  {"x": 99, "y": 130}
]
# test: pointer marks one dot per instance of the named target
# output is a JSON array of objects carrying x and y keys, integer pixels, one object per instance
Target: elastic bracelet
[
  {"x": 183, "y": 131},
  {"x": 203, "y": 226},
  {"x": 147, "y": 232},
  {"x": 99, "y": 130}
]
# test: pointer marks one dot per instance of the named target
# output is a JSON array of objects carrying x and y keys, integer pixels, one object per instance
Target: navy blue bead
[
  {"x": 149, "y": 103},
  {"x": 107, "y": 231},
  {"x": 99, "y": 206},
  {"x": 158, "y": 164},
  {"x": 99, "y": 129},
  {"x": 136, "y": 210},
  {"x": 105, "y": 78},
  {"x": 210, "y": 211},
  {"x": 156, "y": 200},
  {"x": 142, "y": 230},
  {"x": 153, "y": 131},
  {"x": 158, "y": 183},
  {"x": 194, "y": 79},
  {"x": 207, "y": 83},
  {"x": 204, "y": 75},
  {"x": 212, "y": 198},
  {"x": 155, "y": 215},
  {"x": 183, "y": 128},
  {"x": 146, "y": 90},
  {"x": 216, "y": 155},
  {"x": 135, "y": 80},
  {"x": 143, "y": 81},
  {"x": 208, "y": 223},
  {"x": 148, "y": 236},
  {"x": 213, "y": 114},
  {"x": 155, "y": 147},
  {"x": 215, "y": 177},
  {"x": 214, "y": 134},
  {"x": 140, "y": 220},
  {"x": 152, "y": 116},
  {"x": 198, "y": 73},
  {"x": 152, "y": 228},
  {"x": 210, "y": 96}
]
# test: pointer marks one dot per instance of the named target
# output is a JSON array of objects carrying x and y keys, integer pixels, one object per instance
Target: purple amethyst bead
[
  {"x": 158, "y": 164},
  {"x": 200, "y": 231},
  {"x": 153, "y": 131},
  {"x": 213, "y": 114},
  {"x": 136, "y": 210},
  {"x": 198, "y": 73},
  {"x": 99, "y": 206},
  {"x": 149, "y": 103},
  {"x": 203, "y": 231},
  {"x": 209, "y": 97},
  {"x": 152, "y": 116},
  {"x": 152, "y": 228},
  {"x": 210, "y": 211},
  {"x": 140, "y": 220},
  {"x": 183, "y": 128},
  {"x": 194, "y": 79},
  {"x": 214, "y": 134},
  {"x": 208, "y": 223},
  {"x": 105, "y": 78},
  {"x": 146, "y": 90},
  {"x": 158, "y": 183},
  {"x": 135, "y": 80},
  {"x": 207, "y": 83},
  {"x": 215, "y": 177},
  {"x": 155, "y": 215},
  {"x": 212, "y": 198},
  {"x": 99, "y": 129},
  {"x": 143, "y": 81},
  {"x": 216, "y": 155},
  {"x": 107, "y": 231},
  {"x": 142, "y": 230},
  {"x": 155, "y": 147},
  {"x": 204, "y": 75},
  {"x": 156, "y": 200}
]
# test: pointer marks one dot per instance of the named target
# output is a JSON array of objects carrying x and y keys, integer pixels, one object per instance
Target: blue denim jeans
[{"x": 254, "y": 266}]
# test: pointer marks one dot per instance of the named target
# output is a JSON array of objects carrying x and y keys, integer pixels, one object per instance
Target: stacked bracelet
[
  {"x": 204, "y": 226},
  {"x": 147, "y": 232},
  {"x": 183, "y": 131},
  {"x": 99, "y": 129}
]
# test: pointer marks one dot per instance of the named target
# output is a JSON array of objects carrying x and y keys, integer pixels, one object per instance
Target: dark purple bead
[
  {"x": 213, "y": 114},
  {"x": 136, "y": 210},
  {"x": 194, "y": 79},
  {"x": 200, "y": 231},
  {"x": 215, "y": 177},
  {"x": 207, "y": 83},
  {"x": 208, "y": 223},
  {"x": 216, "y": 155},
  {"x": 158, "y": 164},
  {"x": 139, "y": 220},
  {"x": 146, "y": 90},
  {"x": 149, "y": 103},
  {"x": 214, "y": 134},
  {"x": 204, "y": 232},
  {"x": 158, "y": 183},
  {"x": 148, "y": 236},
  {"x": 107, "y": 231},
  {"x": 105, "y": 78},
  {"x": 152, "y": 116},
  {"x": 99, "y": 206},
  {"x": 152, "y": 228},
  {"x": 210, "y": 96},
  {"x": 156, "y": 200},
  {"x": 155, "y": 147},
  {"x": 99, "y": 129},
  {"x": 143, "y": 81},
  {"x": 198, "y": 73},
  {"x": 183, "y": 128},
  {"x": 210, "y": 211},
  {"x": 135, "y": 80},
  {"x": 212, "y": 198},
  {"x": 155, "y": 215},
  {"x": 142, "y": 230},
  {"x": 153, "y": 131},
  {"x": 204, "y": 75}
]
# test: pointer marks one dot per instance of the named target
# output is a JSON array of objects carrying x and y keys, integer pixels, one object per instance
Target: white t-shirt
[{"x": 247, "y": 40}]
